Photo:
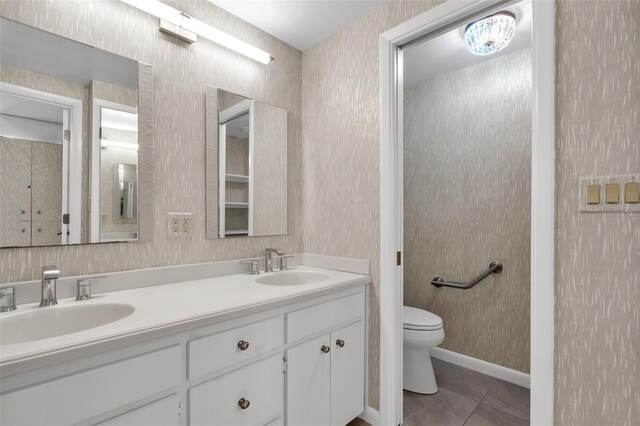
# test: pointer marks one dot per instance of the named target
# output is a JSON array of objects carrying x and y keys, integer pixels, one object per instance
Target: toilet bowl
[{"x": 422, "y": 331}]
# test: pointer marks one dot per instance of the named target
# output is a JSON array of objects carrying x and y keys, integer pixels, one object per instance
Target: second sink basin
[
  {"x": 43, "y": 323},
  {"x": 292, "y": 278}
]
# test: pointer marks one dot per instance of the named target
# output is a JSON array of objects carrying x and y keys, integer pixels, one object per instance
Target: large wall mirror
[
  {"x": 246, "y": 166},
  {"x": 74, "y": 137}
]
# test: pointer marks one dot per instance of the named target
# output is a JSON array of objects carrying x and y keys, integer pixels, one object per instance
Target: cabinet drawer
[
  {"x": 159, "y": 413},
  {"x": 212, "y": 353},
  {"x": 324, "y": 316},
  {"x": 84, "y": 395},
  {"x": 217, "y": 402}
]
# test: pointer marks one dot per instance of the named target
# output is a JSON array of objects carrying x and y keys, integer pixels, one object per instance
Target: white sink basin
[
  {"x": 43, "y": 323},
  {"x": 292, "y": 278}
]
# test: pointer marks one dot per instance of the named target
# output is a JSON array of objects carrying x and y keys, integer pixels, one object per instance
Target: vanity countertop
[{"x": 165, "y": 309}]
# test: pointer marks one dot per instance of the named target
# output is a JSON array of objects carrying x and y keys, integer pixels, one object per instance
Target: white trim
[
  {"x": 542, "y": 192},
  {"x": 252, "y": 140},
  {"x": 494, "y": 370},
  {"x": 543, "y": 213},
  {"x": 222, "y": 181},
  {"x": 371, "y": 416},
  {"x": 74, "y": 158},
  {"x": 94, "y": 163},
  {"x": 234, "y": 111}
]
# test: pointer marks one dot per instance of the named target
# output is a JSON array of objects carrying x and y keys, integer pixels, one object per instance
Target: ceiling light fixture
[
  {"x": 187, "y": 28},
  {"x": 491, "y": 34}
]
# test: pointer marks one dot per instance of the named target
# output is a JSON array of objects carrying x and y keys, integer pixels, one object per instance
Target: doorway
[
  {"x": 393, "y": 46},
  {"x": 46, "y": 130}
]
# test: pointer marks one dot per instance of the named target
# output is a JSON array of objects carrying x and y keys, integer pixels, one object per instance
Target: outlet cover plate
[{"x": 179, "y": 225}]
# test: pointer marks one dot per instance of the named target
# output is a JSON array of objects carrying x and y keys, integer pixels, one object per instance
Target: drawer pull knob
[
  {"x": 340, "y": 343},
  {"x": 325, "y": 349},
  {"x": 243, "y": 345},
  {"x": 244, "y": 403}
]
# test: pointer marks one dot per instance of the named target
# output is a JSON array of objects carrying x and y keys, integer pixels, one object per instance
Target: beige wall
[
  {"x": 180, "y": 75},
  {"x": 467, "y": 202},
  {"x": 597, "y": 268}
]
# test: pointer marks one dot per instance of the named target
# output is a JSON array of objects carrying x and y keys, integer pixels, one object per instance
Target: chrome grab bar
[{"x": 495, "y": 267}]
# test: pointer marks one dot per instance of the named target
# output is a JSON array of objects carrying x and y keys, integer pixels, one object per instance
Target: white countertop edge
[{"x": 33, "y": 360}]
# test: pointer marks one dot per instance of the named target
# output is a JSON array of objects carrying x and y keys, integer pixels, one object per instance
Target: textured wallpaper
[
  {"x": 180, "y": 75},
  {"x": 597, "y": 267},
  {"x": 341, "y": 138},
  {"x": 597, "y": 255},
  {"x": 467, "y": 202}
]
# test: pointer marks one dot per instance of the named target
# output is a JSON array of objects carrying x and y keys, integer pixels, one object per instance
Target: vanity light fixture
[
  {"x": 490, "y": 34},
  {"x": 116, "y": 144},
  {"x": 188, "y": 28}
]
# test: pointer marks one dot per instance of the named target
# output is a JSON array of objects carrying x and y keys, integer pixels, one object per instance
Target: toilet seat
[{"x": 420, "y": 320}]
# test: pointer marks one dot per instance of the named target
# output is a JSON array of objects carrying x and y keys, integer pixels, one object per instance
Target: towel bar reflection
[{"x": 495, "y": 267}]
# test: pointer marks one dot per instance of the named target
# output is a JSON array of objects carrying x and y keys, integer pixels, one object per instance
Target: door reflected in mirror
[
  {"x": 251, "y": 141},
  {"x": 68, "y": 141}
]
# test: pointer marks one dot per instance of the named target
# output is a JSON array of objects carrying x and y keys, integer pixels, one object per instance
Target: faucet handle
[
  {"x": 7, "y": 299},
  {"x": 283, "y": 261},
  {"x": 50, "y": 273},
  {"x": 255, "y": 266},
  {"x": 84, "y": 287}
]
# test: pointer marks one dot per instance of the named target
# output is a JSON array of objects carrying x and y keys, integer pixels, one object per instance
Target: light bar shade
[{"x": 163, "y": 11}]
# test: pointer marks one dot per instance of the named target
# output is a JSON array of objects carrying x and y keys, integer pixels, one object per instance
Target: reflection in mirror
[
  {"x": 68, "y": 125},
  {"x": 252, "y": 166}
]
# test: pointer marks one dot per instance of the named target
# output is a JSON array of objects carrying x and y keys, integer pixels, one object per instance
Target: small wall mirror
[
  {"x": 69, "y": 145},
  {"x": 247, "y": 141}
]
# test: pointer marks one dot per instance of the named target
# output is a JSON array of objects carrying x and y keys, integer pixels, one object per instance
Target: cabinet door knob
[
  {"x": 243, "y": 345},
  {"x": 325, "y": 349},
  {"x": 340, "y": 343},
  {"x": 244, "y": 403},
  {"x": 39, "y": 211},
  {"x": 23, "y": 211}
]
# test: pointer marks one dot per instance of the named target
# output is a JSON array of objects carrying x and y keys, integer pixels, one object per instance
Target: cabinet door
[
  {"x": 347, "y": 373},
  {"x": 308, "y": 383}
]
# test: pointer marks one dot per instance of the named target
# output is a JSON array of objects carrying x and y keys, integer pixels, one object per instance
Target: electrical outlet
[
  {"x": 179, "y": 225},
  {"x": 185, "y": 226}
]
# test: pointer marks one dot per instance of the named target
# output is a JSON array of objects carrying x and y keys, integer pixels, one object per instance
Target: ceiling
[
  {"x": 299, "y": 23},
  {"x": 447, "y": 52},
  {"x": 22, "y": 46},
  {"x": 27, "y": 108}
]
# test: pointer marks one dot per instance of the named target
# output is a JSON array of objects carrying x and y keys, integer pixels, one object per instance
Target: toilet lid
[{"x": 418, "y": 319}]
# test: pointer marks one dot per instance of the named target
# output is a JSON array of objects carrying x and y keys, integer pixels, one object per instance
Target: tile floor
[{"x": 465, "y": 397}]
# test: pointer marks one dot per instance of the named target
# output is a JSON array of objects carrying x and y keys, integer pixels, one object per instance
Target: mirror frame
[{"x": 146, "y": 222}]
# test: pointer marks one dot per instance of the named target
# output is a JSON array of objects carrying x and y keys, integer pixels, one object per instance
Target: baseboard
[
  {"x": 371, "y": 416},
  {"x": 494, "y": 370}
]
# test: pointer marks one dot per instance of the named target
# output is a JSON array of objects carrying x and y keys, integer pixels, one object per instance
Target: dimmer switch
[
  {"x": 613, "y": 193},
  {"x": 632, "y": 192},
  {"x": 593, "y": 194}
]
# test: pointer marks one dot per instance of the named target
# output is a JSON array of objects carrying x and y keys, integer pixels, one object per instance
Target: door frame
[
  {"x": 72, "y": 156},
  {"x": 542, "y": 198}
]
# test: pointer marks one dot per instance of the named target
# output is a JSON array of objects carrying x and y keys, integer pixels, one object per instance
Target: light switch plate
[{"x": 603, "y": 207}]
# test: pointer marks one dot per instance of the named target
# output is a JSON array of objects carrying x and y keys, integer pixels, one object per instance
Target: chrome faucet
[
  {"x": 50, "y": 275},
  {"x": 269, "y": 262}
]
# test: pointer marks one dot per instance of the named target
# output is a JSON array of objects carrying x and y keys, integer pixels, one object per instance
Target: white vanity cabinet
[
  {"x": 293, "y": 364},
  {"x": 326, "y": 375}
]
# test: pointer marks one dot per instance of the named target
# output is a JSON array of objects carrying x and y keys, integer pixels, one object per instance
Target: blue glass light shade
[{"x": 489, "y": 35}]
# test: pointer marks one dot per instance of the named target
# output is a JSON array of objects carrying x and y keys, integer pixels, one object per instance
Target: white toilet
[{"x": 422, "y": 330}]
